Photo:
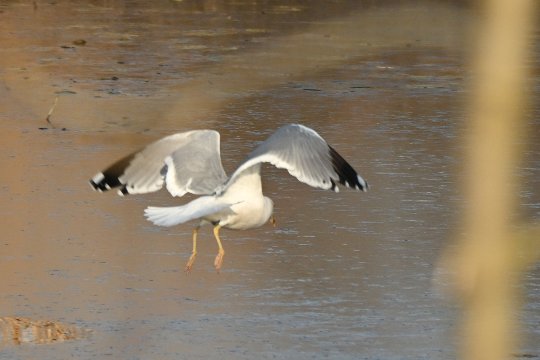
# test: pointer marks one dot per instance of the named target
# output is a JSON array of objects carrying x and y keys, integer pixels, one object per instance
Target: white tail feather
[{"x": 174, "y": 215}]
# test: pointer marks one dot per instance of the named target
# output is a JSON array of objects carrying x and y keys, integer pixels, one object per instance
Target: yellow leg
[
  {"x": 219, "y": 257},
  {"x": 191, "y": 260}
]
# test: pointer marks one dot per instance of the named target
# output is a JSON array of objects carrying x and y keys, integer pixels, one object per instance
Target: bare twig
[
  {"x": 487, "y": 259},
  {"x": 48, "y": 118}
]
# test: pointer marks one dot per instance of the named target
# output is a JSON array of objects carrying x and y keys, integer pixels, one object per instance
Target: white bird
[{"x": 190, "y": 162}]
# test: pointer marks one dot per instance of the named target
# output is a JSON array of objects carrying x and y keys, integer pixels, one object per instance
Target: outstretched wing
[
  {"x": 186, "y": 162},
  {"x": 307, "y": 156}
]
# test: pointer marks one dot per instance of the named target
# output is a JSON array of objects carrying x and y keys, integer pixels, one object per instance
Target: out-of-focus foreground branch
[{"x": 490, "y": 256}]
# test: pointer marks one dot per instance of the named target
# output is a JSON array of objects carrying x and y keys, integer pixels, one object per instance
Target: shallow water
[{"x": 344, "y": 276}]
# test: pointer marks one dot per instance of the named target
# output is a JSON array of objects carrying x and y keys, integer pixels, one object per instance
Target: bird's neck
[{"x": 248, "y": 183}]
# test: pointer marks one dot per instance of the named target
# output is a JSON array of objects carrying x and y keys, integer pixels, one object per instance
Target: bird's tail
[{"x": 196, "y": 209}]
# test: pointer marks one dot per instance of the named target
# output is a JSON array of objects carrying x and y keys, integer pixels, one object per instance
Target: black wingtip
[
  {"x": 364, "y": 186},
  {"x": 110, "y": 178},
  {"x": 347, "y": 175},
  {"x": 104, "y": 182},
  {"x": 334, "y": 186},
  {"x": 98, "y": 182}
]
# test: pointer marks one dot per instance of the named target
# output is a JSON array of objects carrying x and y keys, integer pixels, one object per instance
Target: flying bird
[{"x": 190, "y": 162}]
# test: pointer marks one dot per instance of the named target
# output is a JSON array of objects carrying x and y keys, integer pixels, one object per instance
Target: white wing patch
[{"x": 171, "y": 180}]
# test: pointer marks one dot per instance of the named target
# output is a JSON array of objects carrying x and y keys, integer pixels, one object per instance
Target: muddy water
[{"x": 342, "y": 276}]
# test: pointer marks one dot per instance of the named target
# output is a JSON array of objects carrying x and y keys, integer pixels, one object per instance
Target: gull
[{"x": 190, "y": 162}]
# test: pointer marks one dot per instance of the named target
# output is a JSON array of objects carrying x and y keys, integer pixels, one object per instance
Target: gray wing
[
  {"x": 307, "y": 156},
  {"x": 186, "y": 162}
]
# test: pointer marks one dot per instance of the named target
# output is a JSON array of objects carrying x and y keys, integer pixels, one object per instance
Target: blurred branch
[{"x": 488, "y": 258}]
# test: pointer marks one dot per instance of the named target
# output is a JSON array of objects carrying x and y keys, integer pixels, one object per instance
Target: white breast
[{"x": 251, "y": 209}]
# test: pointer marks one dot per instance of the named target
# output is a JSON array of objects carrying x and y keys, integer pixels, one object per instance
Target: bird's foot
[
  {"x": 190, "y": 262},
  {"x": 219, "y": 260}
]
